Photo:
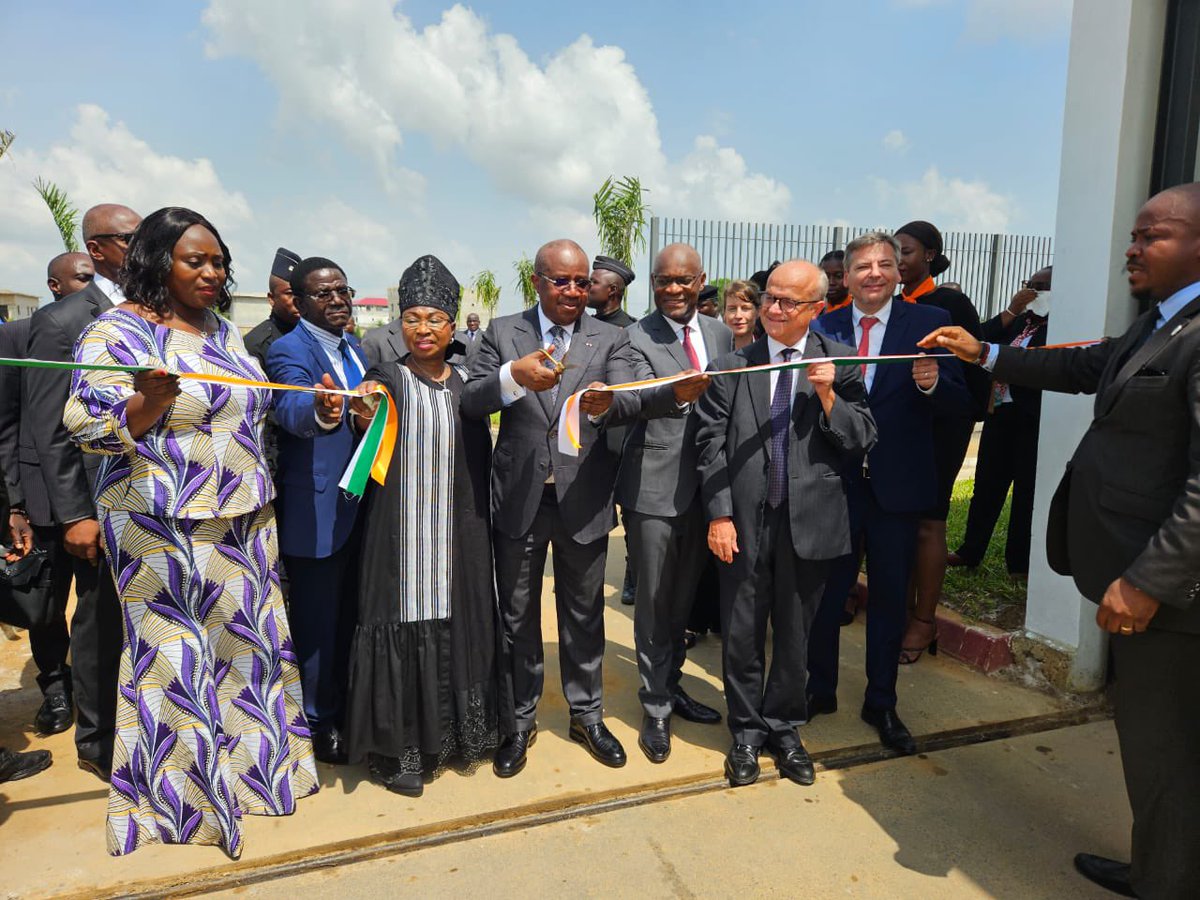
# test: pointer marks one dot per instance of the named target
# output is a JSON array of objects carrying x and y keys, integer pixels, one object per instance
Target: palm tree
[
  {"x": 6, "y": 139},
  {"x": 66, "y": 216},
  {"x": 620, "y": 214},
  {"x": 486, "y": 291},
  {"x": 524, "y": 270}
]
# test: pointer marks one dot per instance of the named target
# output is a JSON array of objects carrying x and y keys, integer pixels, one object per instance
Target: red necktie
[
  {"x": 864, "y": 344},
  {"x": 689, "y": 349}
]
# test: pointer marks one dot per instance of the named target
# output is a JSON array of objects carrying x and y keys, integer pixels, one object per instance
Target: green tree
[
  {"x": 66, "y": 216},
  {"x": 620, "y": 212},
  {"x": 524, "y": 269},
  {"x": 486, "y": 291},
  {"x": 6, "y": 139}
]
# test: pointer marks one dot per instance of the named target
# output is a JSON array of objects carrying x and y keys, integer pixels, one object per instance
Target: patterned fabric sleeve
[{"x": 95, "y": 410}]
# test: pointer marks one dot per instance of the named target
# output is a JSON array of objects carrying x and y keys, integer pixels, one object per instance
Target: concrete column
[{"x": 1108, "y": 141}]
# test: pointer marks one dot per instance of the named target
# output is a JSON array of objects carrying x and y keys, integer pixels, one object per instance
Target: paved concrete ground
[
  {"x": 1001, "y": 819},
  {"x": 52, "y": 825}
]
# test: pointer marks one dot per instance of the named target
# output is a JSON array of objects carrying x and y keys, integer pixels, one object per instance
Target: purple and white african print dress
[{"x": 210, "y": 722}]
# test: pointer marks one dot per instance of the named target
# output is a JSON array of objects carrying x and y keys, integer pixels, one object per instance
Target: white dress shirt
[
  {"x": 874, "y": 336},
  {"x": 111, "y": 289},
  {"x": 330, "y": 344},
  {"x": 510, "y": 391},
  {"x": 776, "y": 348},
  {"x": 696, "y": 337}
]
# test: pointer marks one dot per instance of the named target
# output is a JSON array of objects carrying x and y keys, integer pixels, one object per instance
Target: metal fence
[{"x": 990, "y": 267}]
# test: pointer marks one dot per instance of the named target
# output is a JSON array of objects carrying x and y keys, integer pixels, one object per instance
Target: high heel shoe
[{"x": 910, "y": 655}]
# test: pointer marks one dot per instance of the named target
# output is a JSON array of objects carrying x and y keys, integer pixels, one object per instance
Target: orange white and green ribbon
[{"x": 370, "y": 460}]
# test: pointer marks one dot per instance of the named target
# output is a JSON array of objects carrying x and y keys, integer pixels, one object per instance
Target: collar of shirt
[
  {"x": 111, "y": 289},
  {"x": 1173, "y": 304},
  {"x": 776, "y": 348},
  {"x": 547, "y": 337},
  {"x": 677, "y": 327},
  {"x": 856, "y": 315},
  {"x": 331, "y": 342}
]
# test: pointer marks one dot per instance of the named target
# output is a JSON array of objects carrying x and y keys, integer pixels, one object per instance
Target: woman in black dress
[
  {"x": 922, "y": 260},
  {"x": 425, "y": 682}
]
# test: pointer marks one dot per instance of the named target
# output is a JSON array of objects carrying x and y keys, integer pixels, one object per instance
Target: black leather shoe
[
  {"x": 892, "y": 732},
  {"x": 511, "y": 754},
  {"x": 820, "y": 705},
  {"x": 386, "y": 770},
  {"x": 693, "y": 710},
  {"x": 741, "y": 765},
  {"x": 101, "y": 770},
  {"x": 14, "y": 766},
  {"x": 655, "y": 738},
  {"x": 599, "y": 742},
  {"x": 327, "y": 747},
  {"x": 795, "y": 764},
  {"x": 54, "y": 716},
  {"x": 629, "y": 587},
  {"x": 1108, "y": 873}
]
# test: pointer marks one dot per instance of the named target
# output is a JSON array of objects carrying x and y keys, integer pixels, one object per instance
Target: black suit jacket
[
  {"x": 735, "y": 451},
  {"x": 260, "y": 338},
  {"x": 527, "y": 446},
  {"x": 1026, "y": 400},
  {"x": 16, "y": 433},
  {"x": 1129, "y": 502},
  {"x": 68, "y": 473}
]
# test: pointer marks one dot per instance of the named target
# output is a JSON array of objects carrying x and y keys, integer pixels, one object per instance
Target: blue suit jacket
[
  {"x": 903, "y": 475},
  {"x": 315, "y": 517}
]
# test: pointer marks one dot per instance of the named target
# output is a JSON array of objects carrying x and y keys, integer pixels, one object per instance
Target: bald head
[
  {"x": 68, "y": 273},
  {"x": 555, "y": 251},
  {"x": 674, "y": 255},
  {"x": 1164, "y": 249},
  {"x": 106, "y": 231},
  {"x": 801, "y": 285}
]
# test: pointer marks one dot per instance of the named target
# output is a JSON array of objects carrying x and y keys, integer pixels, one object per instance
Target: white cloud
[
  {"x": 548, "y": 132},
  {"x": 952, "y": 204},
  {"x": 895, "y": 141},
  {"x": 99, "y": 162}
]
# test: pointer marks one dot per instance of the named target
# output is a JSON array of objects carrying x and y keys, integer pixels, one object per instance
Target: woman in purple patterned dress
[{"x": 210, "y": 724}]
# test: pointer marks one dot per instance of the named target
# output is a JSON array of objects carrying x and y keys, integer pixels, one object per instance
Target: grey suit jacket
[
  {"x": 386, "y": 344},
  {"x": 659, "y": 473},
  {"x": 735, "y": 452},
  {"x": 1129, "y": 502},
  {"x": 68, "y": 473},
  {"x": 527, "y": 448}
]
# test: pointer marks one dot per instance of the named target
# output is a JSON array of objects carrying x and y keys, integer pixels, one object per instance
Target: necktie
[
  {"x": 781, "y": 415},
  {"x": 349, "y": 365},
  {"x": 558, "y": 350},
  {"x": 864, "y": 345},
  {"x": 693, "y": 359}
]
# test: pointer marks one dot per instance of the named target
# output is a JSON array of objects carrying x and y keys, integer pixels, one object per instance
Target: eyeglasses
[
  {"x": 326, "y": 294},
  {"x": 786, "y": 303},
  {"x": 1036, "y": 285},
  {"x": 562, "y": 284},
  {"x": 665, "y": 281},
  {"x": 123, "y": 237},
  {"x": 432, "y": 322}
]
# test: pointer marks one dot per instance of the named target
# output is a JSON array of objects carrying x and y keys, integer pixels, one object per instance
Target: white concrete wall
[{"x": 1108, "y": 141}]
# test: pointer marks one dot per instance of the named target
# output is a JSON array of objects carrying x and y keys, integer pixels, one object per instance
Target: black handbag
[{"x": 25, "y": 588}]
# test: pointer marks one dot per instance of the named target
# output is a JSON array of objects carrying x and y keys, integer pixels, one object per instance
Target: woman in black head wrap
[
  {"x": 922, "y": 258},
  {"x": 426, "y": 661}
]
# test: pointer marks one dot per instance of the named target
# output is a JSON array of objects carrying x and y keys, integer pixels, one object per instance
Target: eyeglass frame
[
  {"x": 674, "y": 280},
  {"x": 441, "y": 321},
  {"x": 768, "y": 300},
  {"x": 123, "y": 236},
  {"x": 583, "y": 284},
  {"x": 346, "y": 293}
]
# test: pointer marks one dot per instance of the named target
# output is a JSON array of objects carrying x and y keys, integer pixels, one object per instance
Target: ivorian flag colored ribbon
[
  {"x": 568, "y": 419},
  {"x": 370, "y": 460}
]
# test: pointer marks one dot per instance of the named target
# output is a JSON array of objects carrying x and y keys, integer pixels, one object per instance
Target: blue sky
[{"x": 373, "y": 132}]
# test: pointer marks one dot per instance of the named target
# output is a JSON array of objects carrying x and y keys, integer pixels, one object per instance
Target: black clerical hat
[
  {"x": 708, "y": 292},
  {"x": 614, "y": 265},
  {"x": 284, "y": 264},
  {"x": 427, "y": 282}
]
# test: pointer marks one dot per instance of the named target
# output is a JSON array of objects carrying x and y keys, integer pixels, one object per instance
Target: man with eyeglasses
[
  {"x": 58, "y": 478},
  {"x": 773, "y": 449},
  {"x": 319, "y": 533},
  {"x": 658, "y": 488},
  {"x": 895, "y": 483},
  {"x": 49, "y": 642},
  {"x": 527, "y": 366}
]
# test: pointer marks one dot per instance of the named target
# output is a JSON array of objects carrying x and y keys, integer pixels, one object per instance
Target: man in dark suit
[
  {"x": 318, "y": 523},
  {"x": 1008, "y": 446},
  {"x": 773, "y": 449},
  {"x": 658, "y": 489},
  {"x": 65, "y": 508},
  {"x": 895, "y": 484},
  {"x": 470, "y": 336},
  {"x": 542, "y": 497},
  {"x": 1125, "y": 524},
  {"x": 49, "y": 643}
]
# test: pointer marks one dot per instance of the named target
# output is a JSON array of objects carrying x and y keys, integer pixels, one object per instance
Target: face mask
[{"x": 1041, "y": 305}]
